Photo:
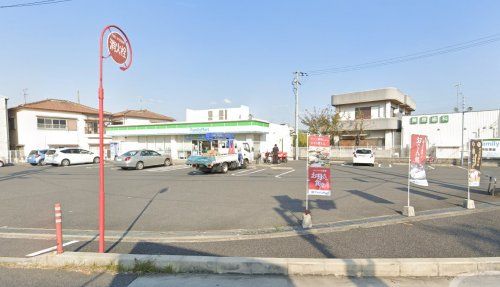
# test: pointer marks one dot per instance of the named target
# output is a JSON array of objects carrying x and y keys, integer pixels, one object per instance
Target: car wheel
[
  {"x": 224, "y": 167},
  {"x": 33, "y": 164},
  {"x": 65, "y": 162},
  {"x": 167, "y": 162},
  {"x": 124, "y": 168},
  {"x": 1, "y": 163},
  {"x": 245, "y": 163},
  {"x": 139, "y": 165},
  {"x": 42, "y": 162},
  {"x": 96, "y": 159}
]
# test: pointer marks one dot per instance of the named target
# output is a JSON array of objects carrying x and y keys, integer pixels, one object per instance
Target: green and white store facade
[{"x": 181, "y": 138}]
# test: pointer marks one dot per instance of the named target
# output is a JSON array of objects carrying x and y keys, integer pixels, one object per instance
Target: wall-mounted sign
[
  {"x": 443, "y": 119},
  {"x": 433, "y": 119},
  {"x": 413, "y": 120},
  {"x": 422, "y": 120}
]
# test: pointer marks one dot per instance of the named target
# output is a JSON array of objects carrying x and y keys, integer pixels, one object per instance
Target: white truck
[{"x": 223, "y": 159}]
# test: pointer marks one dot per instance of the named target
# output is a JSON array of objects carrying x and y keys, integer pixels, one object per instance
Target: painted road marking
[
  {"x": 168, "y": 168},
  {"x": 286, "y": 172},
  {"x": 255, "y": 171},
  {"x": 50, "y": 249},
  {"x": 246, "y": 170}
]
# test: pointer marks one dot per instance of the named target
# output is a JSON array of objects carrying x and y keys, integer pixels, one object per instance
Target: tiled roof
[
  {"x": 143, "y": 114},
  {"x": 60, "y": 106}
]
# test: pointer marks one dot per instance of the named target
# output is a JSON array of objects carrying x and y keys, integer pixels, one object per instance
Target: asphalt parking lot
[{"x": 178, "y": 198}]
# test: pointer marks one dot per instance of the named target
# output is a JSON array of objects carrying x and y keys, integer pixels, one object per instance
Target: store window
[{"x": 210, "y": 115}]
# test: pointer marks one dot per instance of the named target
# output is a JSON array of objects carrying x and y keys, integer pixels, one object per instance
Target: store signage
[
  {"x": 475, "y": 156},
  {"x": 117, "y": 48},
  {"x": 318, "y": 165},
  {"x": 417, "y": 160},
  {"x": 199, "y": 130}
]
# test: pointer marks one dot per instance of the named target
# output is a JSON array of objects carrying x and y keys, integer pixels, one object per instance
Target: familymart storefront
[{"x": 182, "y": 139}]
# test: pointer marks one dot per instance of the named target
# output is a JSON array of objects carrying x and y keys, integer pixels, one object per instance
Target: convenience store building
[{"x": 182, "y": 139}]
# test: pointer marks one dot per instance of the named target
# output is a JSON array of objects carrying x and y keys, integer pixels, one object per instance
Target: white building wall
[
  {"x": 233, "y": 114},
  {"x": 4, "y": 129},
  {"x": 447, "y": 137},
  {"x": 31, "y": 137}
]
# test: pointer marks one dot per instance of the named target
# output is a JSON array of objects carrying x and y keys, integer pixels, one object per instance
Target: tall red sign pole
[{"x": 120, "y": 50}]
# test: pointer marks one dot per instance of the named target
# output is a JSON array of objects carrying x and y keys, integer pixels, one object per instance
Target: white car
[
  {"x": 67, "y": 156},
  {"x": 363, "y": 156}
]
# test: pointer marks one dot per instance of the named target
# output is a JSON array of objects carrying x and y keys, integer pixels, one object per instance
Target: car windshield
[
  {"x": 52, "y": 151},
  {"x": 32, "y": 152},
  {"x": 130, "y": 153},
  {"x": 363, "y": 151},
  {"x": 43, "y": 151}
]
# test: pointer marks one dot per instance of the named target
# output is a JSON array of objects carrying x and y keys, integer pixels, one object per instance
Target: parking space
[{"x": 179, "y": 198}]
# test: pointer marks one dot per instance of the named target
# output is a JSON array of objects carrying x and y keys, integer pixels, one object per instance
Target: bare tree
[{"x": 324, "y": 121}]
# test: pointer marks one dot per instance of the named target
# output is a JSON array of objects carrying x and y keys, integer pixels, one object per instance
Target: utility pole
[
  {"x": 78, "y": 96},
  {"x": 296, "y": 83},
  {"x": 463, "y": 121},
  {"x": 456, "y": 109},
  {"x": 24, "y": 95}
]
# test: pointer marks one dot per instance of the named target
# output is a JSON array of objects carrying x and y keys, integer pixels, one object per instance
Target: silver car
[{"x": 138, "y": 159}]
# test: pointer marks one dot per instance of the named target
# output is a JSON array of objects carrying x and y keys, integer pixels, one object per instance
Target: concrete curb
[
  {"x": 242, "y": 234},
  {"x": 390, "y": 267}
]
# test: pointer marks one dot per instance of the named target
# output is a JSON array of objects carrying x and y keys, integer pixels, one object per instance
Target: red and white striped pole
[{"x": 59, "y": 237}]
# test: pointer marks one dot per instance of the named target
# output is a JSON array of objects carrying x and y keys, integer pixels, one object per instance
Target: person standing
[{"x": 275, "y": 154}]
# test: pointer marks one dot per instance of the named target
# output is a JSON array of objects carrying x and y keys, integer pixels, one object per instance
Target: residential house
[
  {"x": 139, "y": 117},
  {"x": 54, "y": 123}
]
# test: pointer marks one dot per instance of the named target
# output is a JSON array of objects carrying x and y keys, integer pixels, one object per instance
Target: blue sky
[{"x": 197, "y": 54}]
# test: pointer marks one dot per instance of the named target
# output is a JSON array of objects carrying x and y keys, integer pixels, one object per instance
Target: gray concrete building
[{"x": 372, "y": 118}]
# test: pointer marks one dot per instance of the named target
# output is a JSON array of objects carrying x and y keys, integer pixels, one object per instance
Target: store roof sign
[
  {"x": 422, "y": 120},
  {"x": 199, "y": 130},
  {"x": 433, "y": 120},
  {"x": 413, "y": 120},
  {"x": 444, "y": 119}
]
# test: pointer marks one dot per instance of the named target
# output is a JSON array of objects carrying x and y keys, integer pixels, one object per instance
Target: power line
[
  {"x": 410, "y": 57},
  {"x": 36, "y": 3}
]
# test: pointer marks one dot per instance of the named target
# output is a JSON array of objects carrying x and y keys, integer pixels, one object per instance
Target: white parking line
[
  {"x": 256, "y": 171},
  {"x": 50, "y": 249},
  {"x": 168, "y": 168},
  {"x": 245, "y": 170},
  {"x": 461, "y": 167},
  {"x": 286, "y": 172}
]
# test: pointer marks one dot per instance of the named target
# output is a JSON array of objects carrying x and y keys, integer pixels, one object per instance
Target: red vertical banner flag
[
  {"x": 418, "y": 155},
  {"x": 318, "y": 165}
]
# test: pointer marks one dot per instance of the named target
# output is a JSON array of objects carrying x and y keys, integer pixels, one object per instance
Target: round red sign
[{"x": 117, "y": 48}]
